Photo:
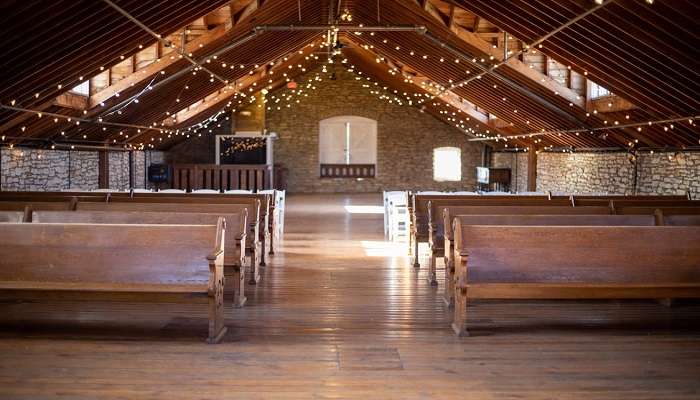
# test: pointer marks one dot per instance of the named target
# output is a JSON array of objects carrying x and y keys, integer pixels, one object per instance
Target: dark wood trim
[
  {"x": 103, "y": 169},
  {"x": 532, "y": 169}
]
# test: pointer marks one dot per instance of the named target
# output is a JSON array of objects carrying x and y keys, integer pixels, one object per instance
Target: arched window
[
  {"x": 348, "y": 140},
  {"x": 447, "y": 164}
]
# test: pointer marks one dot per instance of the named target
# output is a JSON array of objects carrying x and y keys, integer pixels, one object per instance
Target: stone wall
[
  {"x": 613, "y": 173},
  {"x": 406, "y": 138},
  {"x": 55, "y": 170},
  {"x": 669, "y": 173},
  {"x": 48, "y": 170}
]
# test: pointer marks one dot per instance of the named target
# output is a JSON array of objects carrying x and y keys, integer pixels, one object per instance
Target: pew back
[
  {"x": 449, "y": 212},
  {"x": 652, "y": 209},
  {"x": 236, "y": 226},
  {"x": 681, "y": 220},
  {"x": 580, "y": 254},
  {"x": 425, "y": 205},
  {"x": 11, "y": 216},
  {"x": 110, "y": 257},
  {"x": 135, "y": 208}
]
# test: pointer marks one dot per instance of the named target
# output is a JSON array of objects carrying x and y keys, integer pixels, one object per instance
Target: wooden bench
[
  {"x": 264, "y": 214},
  {"x": 573, "y": 262},
  {"x": 116, "y": 262},
  {"x": 11, "y": 216},
  {"x": 529, "y": 220},
  {"x": 234, "y": 242},
  {"x": 692, "y": 210},
  {"x": 418, "y": 211},
  {"x": 253, "y": 246},
  {"x": 440, "y": 224},
  {"x": 27, "y": 207},
  {"x": 268, "y": 215}
]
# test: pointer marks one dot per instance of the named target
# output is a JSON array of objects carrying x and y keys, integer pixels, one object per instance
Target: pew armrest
[{"x": 216, "y": 256}]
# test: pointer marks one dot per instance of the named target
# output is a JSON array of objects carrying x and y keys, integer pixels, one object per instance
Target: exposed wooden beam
[
  {"x": 71, "y": 100},
  {"x": 422, "y": 84},
  {"x": 182, "y": 117},
  {"x": 144, "y": 75},
  {"x": 247, "y": 10},
  {"x": 140, "y": 77},
  {"x": 474, "y": 40},
  {"x": 187, "y": 116}
]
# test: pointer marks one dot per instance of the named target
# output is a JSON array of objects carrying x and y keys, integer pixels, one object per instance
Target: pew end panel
[{"x": 215, "y": 287}]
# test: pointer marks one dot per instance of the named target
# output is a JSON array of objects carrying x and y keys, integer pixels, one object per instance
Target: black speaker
[{"x": 158, "y": 173}]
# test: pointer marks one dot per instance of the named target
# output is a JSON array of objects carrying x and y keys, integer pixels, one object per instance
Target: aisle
[
  {"x": 341, "y": 314},
  {"x": 337, "y": 278}
]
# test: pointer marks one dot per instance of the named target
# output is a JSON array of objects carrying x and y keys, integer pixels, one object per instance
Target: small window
[
  {"x": 447, "y": 164},
  {"x": 82, "y": 89},
  {"x": 598, "y": 91}
]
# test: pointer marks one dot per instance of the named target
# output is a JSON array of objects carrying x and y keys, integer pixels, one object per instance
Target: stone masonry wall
[
  {"x": 55, "y": 170},
  {"x": 613, "y": 173},
  {"x": 48, "y": 170},
  {"x": 667, "y": 173},
  {"x": 406, "y": 138}
]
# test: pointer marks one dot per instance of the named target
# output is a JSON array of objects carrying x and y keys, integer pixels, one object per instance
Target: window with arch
[
  {"x": 447, "y": 164},
  {"x": 348, "y": 140}
]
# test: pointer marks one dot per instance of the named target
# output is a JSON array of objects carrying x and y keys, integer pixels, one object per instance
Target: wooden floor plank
[{"x": 341, "y": 314}]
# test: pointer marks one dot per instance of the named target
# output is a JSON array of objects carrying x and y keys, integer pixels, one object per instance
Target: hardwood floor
[{"x": 341, "y": 314}]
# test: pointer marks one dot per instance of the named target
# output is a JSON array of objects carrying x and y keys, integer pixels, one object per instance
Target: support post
[
  {"x": 131, "y": 169},
  {"x": 532, "y": 169},
  {"x": 103, "y": 169}
]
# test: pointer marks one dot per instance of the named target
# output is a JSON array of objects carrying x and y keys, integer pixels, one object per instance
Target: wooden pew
[
  {"x": 573, "y": 262},
  {"x": 267, "y": 216},
  {"x": 681, "y": 220},
  {"x": 253, "y": 245},
  {"x": 440, "y": 224},
  {"x": 11, "y": 216},
  {"x": 693, "y": 210},
  {"x": 264, "y": 215},
  {"x": 418, "y": 210},
  {"x": 505, "y": 219},
  {"x": 617, "y": 204},
  {"x": 27, "y": 207},
  {"x": 116, "y": 262},
  {"x": 234, "y": 242},
  {"x": 262, "y": 233}
]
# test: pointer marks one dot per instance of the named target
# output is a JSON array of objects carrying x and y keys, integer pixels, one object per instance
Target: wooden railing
[
  {"x": 347, "y": 170},
  {"x": 222, "y": 177}
]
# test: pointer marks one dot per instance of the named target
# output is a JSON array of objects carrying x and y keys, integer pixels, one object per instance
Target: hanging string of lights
[{"x": 436, "y": 90}]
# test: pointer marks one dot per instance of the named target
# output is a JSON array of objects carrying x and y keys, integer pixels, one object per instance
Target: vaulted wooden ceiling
[{"x": 515, "y": 68}]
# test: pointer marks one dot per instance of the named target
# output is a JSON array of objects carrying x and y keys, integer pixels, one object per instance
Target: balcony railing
[{"x": 222, "y": 177}]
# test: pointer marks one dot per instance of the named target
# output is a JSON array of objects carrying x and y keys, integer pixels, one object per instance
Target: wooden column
[
  {"x": 532, "y": 169},
  {"x": 103, "y": 169},
  {"x": 131, "y": 169}
]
